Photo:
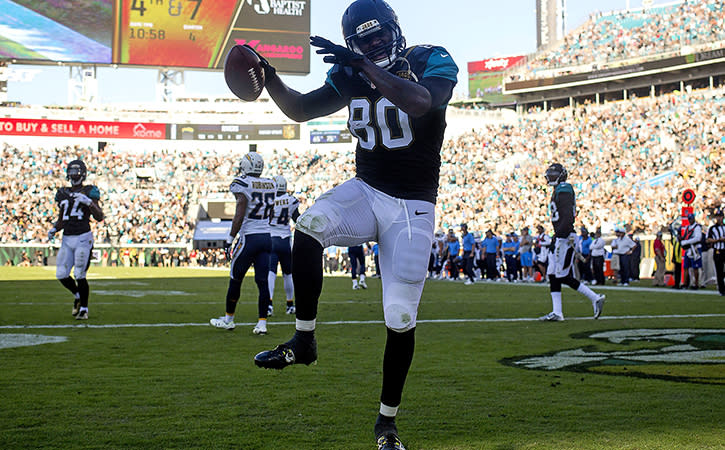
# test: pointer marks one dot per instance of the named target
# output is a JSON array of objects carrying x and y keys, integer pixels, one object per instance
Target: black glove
[
  {"x": 269, "y": 70},
  {"x": 337, "y": 54}
]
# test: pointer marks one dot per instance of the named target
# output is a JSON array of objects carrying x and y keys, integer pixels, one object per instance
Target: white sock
[
  {"x": 228, "y": 318},
  {"x": 271, "y": 277},
  {"x": 84, "y": 309},
  {"x": 388, "y": 411},
  {"x": 78, "y": 295},
  {"x": 591, "y": 295},
  {"x": 354, "y": 283},
  {"x": 305, "y": 325},
  {"x": 556, "y": 303},
  {"x": 362, "y": 278},
  {"x": 289, "y": 286}
]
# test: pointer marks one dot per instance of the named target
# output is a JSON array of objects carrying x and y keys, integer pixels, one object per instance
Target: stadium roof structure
[{"x": 641, "y": 78}]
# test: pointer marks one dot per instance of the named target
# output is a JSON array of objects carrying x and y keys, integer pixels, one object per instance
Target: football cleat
[
  {"x": 291, "y": 309},
  {"x": 82, "y": 315},
  {"x": 222, "y": 323},
  {"x": 261, "y": 327},
  {"x": 551, "y": 317},
  {"x": 270, "y": 310},
  {"x": 386, "y": 434},
  {"x": 363, "y": 284},
  {"x": 287, "y": 354},
  {"x": 76, "y": 307},
  {"x": 599, "y": 306},
  {"x": 468, "y": 282}
]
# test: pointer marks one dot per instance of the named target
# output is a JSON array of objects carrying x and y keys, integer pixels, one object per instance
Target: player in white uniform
[
  {"x": 286, "y": 207},
  {"x": 255, "y": 205}
]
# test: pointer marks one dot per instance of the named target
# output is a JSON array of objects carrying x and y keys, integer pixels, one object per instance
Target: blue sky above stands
[{"x": 471, "y": 30}]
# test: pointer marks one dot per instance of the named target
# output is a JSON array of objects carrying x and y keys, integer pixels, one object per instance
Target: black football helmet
[
  {"x": 76, "y": 172},
  {"x": 555, "y": 174},
  {"x": 363, "y": 20}
]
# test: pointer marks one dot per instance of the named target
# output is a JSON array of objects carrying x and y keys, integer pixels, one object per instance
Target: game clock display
[{"x": 179, "y": 33}]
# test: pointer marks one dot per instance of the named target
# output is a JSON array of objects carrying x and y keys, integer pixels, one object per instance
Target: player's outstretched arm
[
  {"x": 295, "y": 105},
  {"x": 303, "y": 107}
]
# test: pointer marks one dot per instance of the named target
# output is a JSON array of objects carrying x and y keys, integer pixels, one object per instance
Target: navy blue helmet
[
  {"x": 76, "y": 172},
  {"x": 555, "y": 174},
  {"x": 370, "y": 28}
]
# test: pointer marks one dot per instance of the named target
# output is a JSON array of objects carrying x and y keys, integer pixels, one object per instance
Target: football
[{"x": 243, "y": 73}]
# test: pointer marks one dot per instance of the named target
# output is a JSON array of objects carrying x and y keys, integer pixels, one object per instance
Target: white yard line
[{"x": 356, "y": 322}]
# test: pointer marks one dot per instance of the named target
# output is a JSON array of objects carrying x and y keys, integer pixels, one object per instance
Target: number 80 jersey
[
  {"x": 396, "y": 153},
  {"x": 260, "y": 193}
]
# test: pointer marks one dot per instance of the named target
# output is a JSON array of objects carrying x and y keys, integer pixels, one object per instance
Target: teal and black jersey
[
  {"x": 562, "y": 210},
  {"x": 398, "y": 154},
  {"x": 74, "y": 215}
]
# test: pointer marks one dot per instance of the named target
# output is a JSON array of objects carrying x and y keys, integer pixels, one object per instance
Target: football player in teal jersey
[
  {"x": 563, "y": 211},
  {"x": 76, "y": 205},
  {"x": 396, "y": 96}
]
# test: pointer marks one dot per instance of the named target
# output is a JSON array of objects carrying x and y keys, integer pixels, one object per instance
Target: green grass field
[{"x": 146, "y": 371}]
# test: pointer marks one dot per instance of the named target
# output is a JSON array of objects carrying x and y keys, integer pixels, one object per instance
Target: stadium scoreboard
[{"x": 160, "y": 33}]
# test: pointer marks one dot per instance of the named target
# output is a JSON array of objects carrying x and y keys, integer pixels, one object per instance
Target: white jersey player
[
  {"x": 255, "y": 205},
  {"x": 286, "y": 207}
]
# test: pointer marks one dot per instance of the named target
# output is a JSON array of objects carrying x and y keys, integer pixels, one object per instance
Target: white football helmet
[
  {"x": 281, "y": 184},
  {"x": 252, "y": 164}
]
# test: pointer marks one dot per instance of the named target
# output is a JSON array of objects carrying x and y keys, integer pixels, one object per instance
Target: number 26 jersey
[{"x": 260, "y": 193}]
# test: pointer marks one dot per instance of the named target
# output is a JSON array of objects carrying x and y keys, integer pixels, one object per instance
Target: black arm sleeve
[
  {"x": 440, "y": 90},
  {"x": 322, "y": 101}
]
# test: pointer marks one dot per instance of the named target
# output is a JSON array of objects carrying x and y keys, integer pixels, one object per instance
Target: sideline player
[
  {"x": 76, "y": 205},
  {"x": 255, "y": 204},
  {"x": 396, "y": 97},
  {"x": 563, "y": 211},
  {"x": 357, "y": 266},
  {"x": 286, "y": 207}
]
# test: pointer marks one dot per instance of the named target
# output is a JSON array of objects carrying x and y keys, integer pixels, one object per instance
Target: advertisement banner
[
  {"x": 216, "y": 132},
  {"x": 330, "y": 136},
  {"x": 494, "y": 64},
  {"x": 485, "y": 79},
  {"x": 82, "y": 129}
]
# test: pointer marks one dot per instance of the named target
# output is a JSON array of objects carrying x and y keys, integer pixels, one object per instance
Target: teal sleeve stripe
[
  {"x": 440, "y": 64},
  {"x": 332, "y": 83},
  {"x": 94, "y": 193}
]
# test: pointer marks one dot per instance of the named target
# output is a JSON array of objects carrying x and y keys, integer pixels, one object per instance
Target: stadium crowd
[
  {"x": 645, "y": 34},
  {"x": 628, "y": 160}
]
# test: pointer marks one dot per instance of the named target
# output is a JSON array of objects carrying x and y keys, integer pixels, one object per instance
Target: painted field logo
[{"x": 676, "y": 354}]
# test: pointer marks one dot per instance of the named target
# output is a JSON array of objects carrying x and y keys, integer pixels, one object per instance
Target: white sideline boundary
[{"x": 354, "y": 322}]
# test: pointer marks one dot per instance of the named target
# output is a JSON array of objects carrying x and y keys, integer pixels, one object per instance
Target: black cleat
[
  {"x": 386, "y": 434},
  {"x": 291, "y": 352}
]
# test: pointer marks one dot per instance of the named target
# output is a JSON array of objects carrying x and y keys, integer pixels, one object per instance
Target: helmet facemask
[
  {"x": 383, "y": 54},
  {"x": 76, "y": 174},
  {"x": 555, "y": 174}
]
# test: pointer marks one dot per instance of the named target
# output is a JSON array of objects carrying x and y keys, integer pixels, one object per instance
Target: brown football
[{"x": 243, "y": 73}]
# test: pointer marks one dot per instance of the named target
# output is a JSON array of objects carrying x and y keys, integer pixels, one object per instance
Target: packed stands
[
  {"x": 628, "y": 161},
  {"x": 622, "y": 37}
]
